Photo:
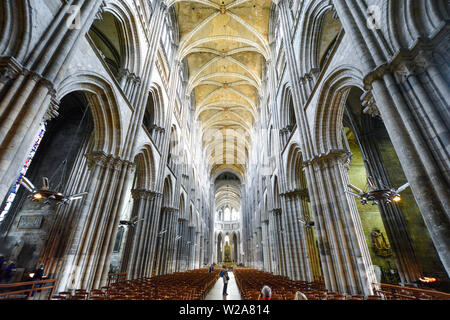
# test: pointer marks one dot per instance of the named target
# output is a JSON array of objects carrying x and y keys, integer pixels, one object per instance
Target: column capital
[
  {"x": 333, "y": 154},
  {"x": 281, "y": 2},
  {"x": 99, "y": 14},
  {"x": 163, "y": 5},
  {"x": 9, "y": 69},
  {"x": 99, "y": 158},
  {"x": 276, "y": 211},
  {"x": 408, "y": 62},
  {"x": 38, "y": 78},
  {"x": 168, "y": 209},
  {"x": 143, "y": 194},
  {"x": 369, "y": 104},
  {"x": 52, "y": 111},
  {"x": 297, "y": 191},
  {"x": 124, "y": 72}
]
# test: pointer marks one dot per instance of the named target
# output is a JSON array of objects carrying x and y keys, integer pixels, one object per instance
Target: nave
[
  {"x": 305, "y": 142},
  {"x": 244, "y": 284}
]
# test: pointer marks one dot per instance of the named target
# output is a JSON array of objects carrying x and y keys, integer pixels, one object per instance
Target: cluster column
[
  {"x": 411, "y": 92},
  {"x": 90, "y": 246},
  {"x": 28, "y": 86},
  {"x": 138, "y": 254},
  {"x": 343, "y": 250},
  {"x": 266, "y": 241}
]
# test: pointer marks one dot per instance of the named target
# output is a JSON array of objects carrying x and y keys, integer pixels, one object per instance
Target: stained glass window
[{"x": 23, "y": 171}]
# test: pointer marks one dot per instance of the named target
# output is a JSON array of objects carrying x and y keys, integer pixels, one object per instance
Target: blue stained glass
[{"x": 22, "y": 172}]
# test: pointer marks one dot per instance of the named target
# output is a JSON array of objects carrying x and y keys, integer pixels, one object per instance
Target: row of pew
[
  {"x": 195, "y": 284},
  {"x": 190, "y": 285},
  {"x": 251, "y": 281}
]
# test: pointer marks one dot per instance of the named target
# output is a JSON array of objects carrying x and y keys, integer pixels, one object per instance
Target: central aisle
[{"x": 217, "y": 289}]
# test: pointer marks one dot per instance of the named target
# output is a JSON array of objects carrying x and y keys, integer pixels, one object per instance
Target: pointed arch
[
  {"x": 145, "y": 169},
  {"x": 311, "y": 34},
  {"x": 330, "y": 108},
  {"x": 15, "y": 29},
  {"x": 167, "y": 192},
  {"x": 107, "y": 120}
]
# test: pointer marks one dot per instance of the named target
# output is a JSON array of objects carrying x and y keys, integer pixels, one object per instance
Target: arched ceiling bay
[
  {"x": 227, "y": 191},
  {"x": 225, "y": 44}
]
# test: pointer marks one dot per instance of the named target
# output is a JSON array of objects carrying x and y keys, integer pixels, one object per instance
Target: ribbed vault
[{"x": 225, "y": 45}]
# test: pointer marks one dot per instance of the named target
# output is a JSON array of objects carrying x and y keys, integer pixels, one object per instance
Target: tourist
[
  {"x": 2, "y": 266},
  {"x": 300, "y": 296},
  {"x": 226, "y": 278},
  {"x": 266, "y": 293},
  {"x": 9, "y": 272},
  {"x": 38, "y": 275}
]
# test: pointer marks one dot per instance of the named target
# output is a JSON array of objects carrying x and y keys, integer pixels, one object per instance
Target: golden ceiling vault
[{"x": 225, "y": 44}]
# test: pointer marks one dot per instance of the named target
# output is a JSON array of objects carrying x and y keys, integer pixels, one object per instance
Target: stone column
[
  {"x": 298, "y": 254},
  {"x": 167, "y": 248},
  {"x": 267, "y": 264},
  {"x": 171, "y": 252},
  {"x": 343, "y": 250},
  {"x": 216, "y": 252},
  {"x": 428, "y": 185},
  {"x": 191, "y": 247},
  {"x": 308, "y": 232},
  {"x": 298, "y": 96},
  {"x": 31, "y": 88},
  {"x": 140, "y": 97},
  {"x": 393, "y": 220},
  {"x": 302, "y": 244},
  {"x": 140, "y": 237},
  {"x": 197, "y": 250},
  {"x": 179, "y": 245},
  {"x": 163, "y": 241},
  {"x": 280, "y": 245},
  {"x": 255, "y": 252},
  {"x": 411, "y": 96},
  {"x": 273, "y": 233},
  {"x": 261, "y": 247},
  {"x": 201, "y": 249},
  {"x": 92, "y": 239},
  {"x": 288, "y": 233}
]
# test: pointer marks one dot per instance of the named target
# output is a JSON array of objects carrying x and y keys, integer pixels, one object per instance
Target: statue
[
  {"x": 227, "y": 252},
  {"x": 380, "y": 246}
]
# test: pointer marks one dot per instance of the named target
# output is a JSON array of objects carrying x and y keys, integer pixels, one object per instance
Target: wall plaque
[{"x": 30, "y": 222}]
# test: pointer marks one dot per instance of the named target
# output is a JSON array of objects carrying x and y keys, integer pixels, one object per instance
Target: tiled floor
[{"x": 217, "y": 289}]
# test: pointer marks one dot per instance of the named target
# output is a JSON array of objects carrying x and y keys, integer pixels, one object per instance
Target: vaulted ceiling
[{"x": 225, "y": 44}]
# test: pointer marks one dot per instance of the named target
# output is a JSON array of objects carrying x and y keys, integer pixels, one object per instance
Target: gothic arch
[
  {"x": 408, "y": 20},
  {"x": 287, "y": 115},
  {"x": 182, "y": 207},
  {"x": 123, "y": 13},
  {"x": 145, "y": 169},
  {"x": 158, "y": 102},
  {"x": 154, "y": 111},
  {"x": 115, "y": 36},
  {"x": 310, "y": 36},
  {"x": 330, "y": 108},
  {"x": 168, "y": 193},
  {"x": 276, "y": 194},
  {"x": 266, "y": 208},
  {"x": 191, "y": 210},
  {"x": 287, "y": 119},
  {"x": 104, "y": 107},
  {"x": 293, "y": 167},
  {"x": 196, "y": 221},
  {"x": 15, "y": 28},
  {"x": 174, "y": 147}
]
